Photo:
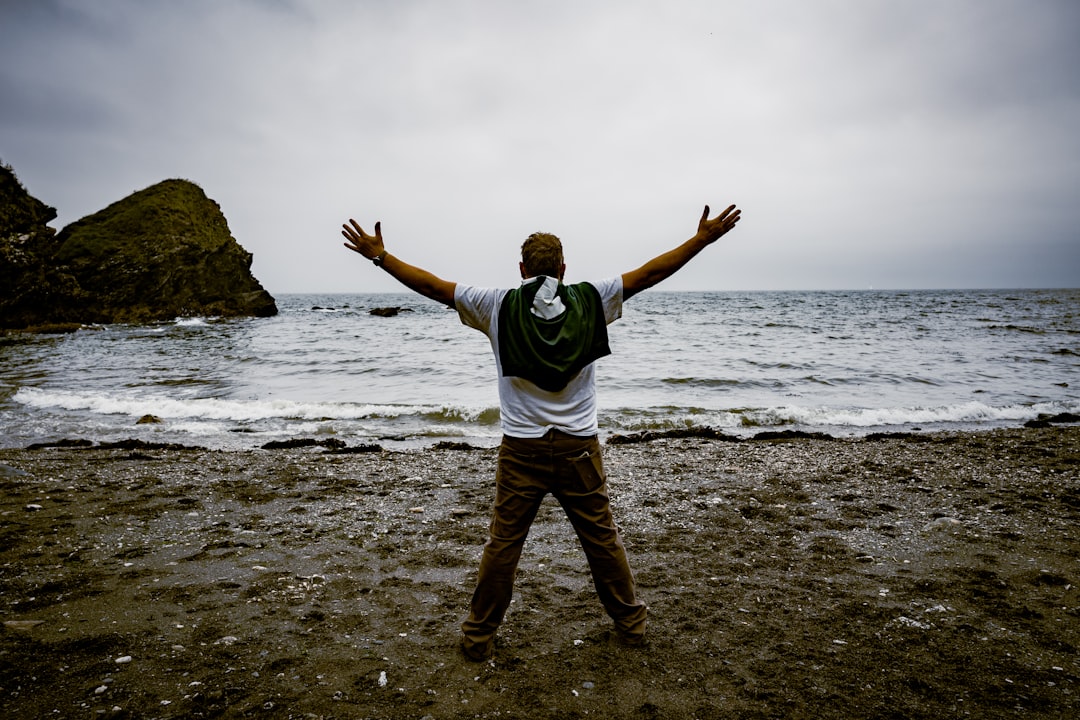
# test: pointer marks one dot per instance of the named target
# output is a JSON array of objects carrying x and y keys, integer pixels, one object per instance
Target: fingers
[
  {"x": 720, "y": 225},
  {"x": 359, "y": 241},
  {"x": 729, "y": 216},
  {"x": 353, "y": 231},
  {"x": 721, "y": 217}
]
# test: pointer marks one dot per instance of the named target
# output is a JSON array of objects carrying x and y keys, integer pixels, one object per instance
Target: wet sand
[{"x": 918, "y": 576}]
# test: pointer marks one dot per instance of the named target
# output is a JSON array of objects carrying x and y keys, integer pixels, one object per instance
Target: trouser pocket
[{"x": 588, "y": 471}]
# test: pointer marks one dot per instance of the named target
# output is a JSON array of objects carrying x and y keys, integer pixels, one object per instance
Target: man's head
[{"x": 541, "y": 254}]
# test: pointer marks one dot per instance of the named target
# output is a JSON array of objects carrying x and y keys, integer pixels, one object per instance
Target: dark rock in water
[
  {"x": 64, "y": 443},
  {"x": 135, "y": 444},
  {"x": 913, "y": 436},
  {"x": 705, "y": 433},
  {"x": 148, "y": 420},
  {"x": 58, "y": 328},
  {"x": 331, "y": 443},
  {"x": 450, "y": 445},
  {"x": 1045, "y": 421},
  {"x": 388, "y": 311},
  {"x": 782, "y": 435},
  {"x": 161, "y": 253},
  {"x": 356, "y": 449}
]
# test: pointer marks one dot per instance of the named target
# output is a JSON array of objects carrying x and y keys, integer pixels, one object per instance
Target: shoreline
[
  {"x": 705, "y": 432},
  {"x": 920, "y": 575}
]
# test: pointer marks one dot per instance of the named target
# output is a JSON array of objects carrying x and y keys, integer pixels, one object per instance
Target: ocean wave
[
  {"x": 970, "y": 413},
  {"x": 706, "y": 382},
  {"x": 217, "y": 409},
  {"x": 479, "y": 416}
]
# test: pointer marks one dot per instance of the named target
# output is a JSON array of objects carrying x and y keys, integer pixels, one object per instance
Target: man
[{"x": 546, "y": 336}]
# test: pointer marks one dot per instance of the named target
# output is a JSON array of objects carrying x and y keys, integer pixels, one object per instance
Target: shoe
[
  {"x": 634, "y": 641},
  {"x": 476, "y": 653}
]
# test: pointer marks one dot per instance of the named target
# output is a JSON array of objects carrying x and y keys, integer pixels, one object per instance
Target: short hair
[{"x": 541, "y": 254}]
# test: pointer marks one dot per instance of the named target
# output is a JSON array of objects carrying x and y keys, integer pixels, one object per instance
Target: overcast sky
[{"x": 870, "y": 143}]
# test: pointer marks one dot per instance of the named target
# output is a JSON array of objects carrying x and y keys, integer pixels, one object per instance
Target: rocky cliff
[
  {"x": 29, "y": 282},
  {"x": 160, "y": 253}
]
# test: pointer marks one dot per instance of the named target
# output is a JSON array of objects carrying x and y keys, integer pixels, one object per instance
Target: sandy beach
[{"x": 912, "y": 576}]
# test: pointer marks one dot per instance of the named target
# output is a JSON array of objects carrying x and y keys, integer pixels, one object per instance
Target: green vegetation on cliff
[{"x": 175, "y": 209}]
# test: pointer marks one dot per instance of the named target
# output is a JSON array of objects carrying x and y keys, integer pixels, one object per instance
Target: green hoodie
[{"x": 549, "y": 353}]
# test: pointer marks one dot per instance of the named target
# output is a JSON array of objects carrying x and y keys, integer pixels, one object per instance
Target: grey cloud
[{"x": 877, "y": 142}]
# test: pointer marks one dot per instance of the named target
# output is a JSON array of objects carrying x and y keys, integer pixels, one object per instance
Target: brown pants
[{"x": 569, "y": 468}]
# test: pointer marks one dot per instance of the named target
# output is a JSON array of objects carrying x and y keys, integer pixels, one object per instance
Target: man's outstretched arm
[
  {"x": 412, "y": 277},
  {"x": 664, "y": 266}
]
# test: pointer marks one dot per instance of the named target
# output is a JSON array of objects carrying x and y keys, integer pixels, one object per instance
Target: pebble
[
  {"x": 943, "y": 523},
  {"x": 123, "y": 660},
  {"x": 911, "y": 623},
  {"x": 33, "y": 507}
]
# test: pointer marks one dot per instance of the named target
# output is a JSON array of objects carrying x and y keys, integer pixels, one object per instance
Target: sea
[{"x": 845, "y": 363}]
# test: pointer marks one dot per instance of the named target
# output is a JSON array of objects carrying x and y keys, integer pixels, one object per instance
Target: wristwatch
[{"x": 378, "y": 259}]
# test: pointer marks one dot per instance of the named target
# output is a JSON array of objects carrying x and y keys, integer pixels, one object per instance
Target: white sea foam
[
  {"x": 205, "y": 409},
  {"x": 970, "y": 412},
  {"x": 207, "y": 417}
]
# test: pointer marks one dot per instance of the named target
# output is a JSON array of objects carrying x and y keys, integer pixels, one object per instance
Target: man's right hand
[
  {"x": 664, "y": 266},
  {"x": 712, "y": 230}
]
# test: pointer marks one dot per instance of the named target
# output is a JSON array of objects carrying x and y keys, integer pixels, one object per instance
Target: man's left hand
[{"x": 370, "y": 246}]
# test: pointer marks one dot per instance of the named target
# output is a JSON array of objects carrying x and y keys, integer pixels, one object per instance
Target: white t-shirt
[{"x": 526, "y": 410}]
